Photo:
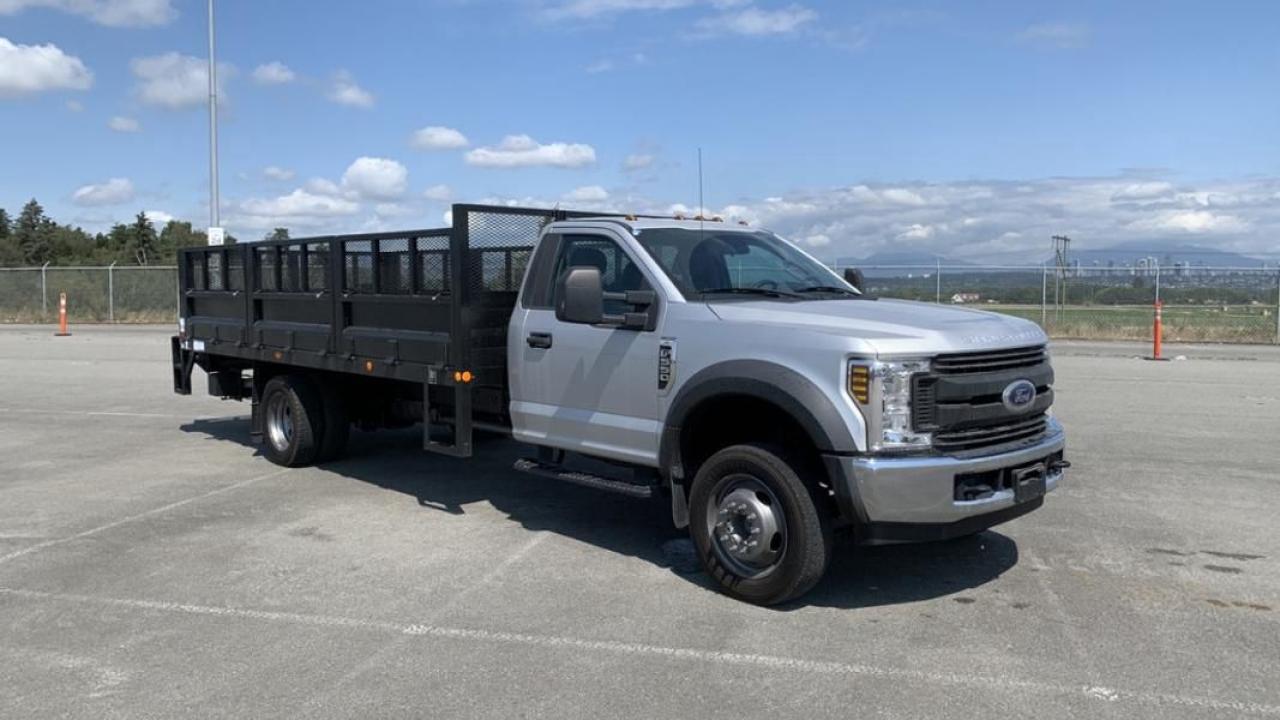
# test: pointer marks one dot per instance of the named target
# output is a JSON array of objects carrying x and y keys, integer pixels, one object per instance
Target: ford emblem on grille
[{"x": 1018, "y": 395}]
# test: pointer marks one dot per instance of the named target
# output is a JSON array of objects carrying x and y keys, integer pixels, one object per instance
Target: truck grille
[
  {"x": 959, "y": 400},
  {"x": 988, "y": 361},
  {"x": 1023, "y": 430}
]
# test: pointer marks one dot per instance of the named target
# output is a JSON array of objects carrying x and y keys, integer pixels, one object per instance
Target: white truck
[{"x": 717, "y": 366}]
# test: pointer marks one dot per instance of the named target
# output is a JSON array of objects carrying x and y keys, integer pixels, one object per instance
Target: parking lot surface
[{"x": 152, "y": 564}]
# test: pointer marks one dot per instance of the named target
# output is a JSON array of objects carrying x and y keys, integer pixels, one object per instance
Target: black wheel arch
[{"x": 811, "y": 409}]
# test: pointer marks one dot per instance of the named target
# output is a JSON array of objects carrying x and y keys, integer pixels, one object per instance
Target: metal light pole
[{"x": 215, "y": 229}]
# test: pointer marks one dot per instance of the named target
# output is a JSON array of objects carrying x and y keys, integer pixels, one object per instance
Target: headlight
[{"x": 882, "y": 388}]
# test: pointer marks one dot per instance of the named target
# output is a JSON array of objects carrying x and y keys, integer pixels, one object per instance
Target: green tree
[
  {"x": 117, "y": 243},
  {"x": 176, "y": 235},
  {"x": 73, "y": 246},
  {"x": 144, "y": 238},
  {"x": 9, "y": 253},
  {"x": 277, "y": 234},
  {"x": 33, "y": 234}
]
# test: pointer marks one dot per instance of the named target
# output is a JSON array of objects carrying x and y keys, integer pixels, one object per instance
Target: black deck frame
[{"x": 233, "y": 306}]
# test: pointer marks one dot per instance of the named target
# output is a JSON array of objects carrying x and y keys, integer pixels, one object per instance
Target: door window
[{"x": 618, "y": 273}]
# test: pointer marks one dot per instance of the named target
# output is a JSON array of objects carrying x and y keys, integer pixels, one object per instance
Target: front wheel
[{"x": 757, "y": 527}]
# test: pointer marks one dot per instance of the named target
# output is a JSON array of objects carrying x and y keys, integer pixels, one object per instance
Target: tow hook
[{"x": 1059, "y": 465}]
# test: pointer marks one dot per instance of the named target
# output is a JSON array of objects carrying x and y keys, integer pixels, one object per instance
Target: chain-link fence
[
  {"x": 128, "y": 294},
  {"x": 1200, "y": 304}
]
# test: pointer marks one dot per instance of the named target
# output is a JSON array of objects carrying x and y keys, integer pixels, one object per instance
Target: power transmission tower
[{"x": 1061, "y": 262}]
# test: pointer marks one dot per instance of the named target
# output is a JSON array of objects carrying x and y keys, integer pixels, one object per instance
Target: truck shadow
[{"x": 859, "y": 576}]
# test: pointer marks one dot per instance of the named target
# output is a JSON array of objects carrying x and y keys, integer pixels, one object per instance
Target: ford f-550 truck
[{"x": 715, "y": 365}]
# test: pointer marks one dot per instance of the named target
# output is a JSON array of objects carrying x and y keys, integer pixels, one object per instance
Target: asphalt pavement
[{"x": 153, "y": 564}]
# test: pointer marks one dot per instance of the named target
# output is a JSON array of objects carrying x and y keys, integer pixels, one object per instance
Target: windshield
[{"x": 707, "y": 263}]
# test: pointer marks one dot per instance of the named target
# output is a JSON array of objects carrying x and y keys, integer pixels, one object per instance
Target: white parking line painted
[
  {"x": 769, "y": 662},
  {"x": 133, "y": 518},
  {"x": 113, "y": 413}
]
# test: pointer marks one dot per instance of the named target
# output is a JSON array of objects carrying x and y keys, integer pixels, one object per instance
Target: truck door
[{"x": 587, "y": 388}]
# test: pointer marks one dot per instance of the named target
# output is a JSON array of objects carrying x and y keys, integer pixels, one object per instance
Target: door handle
[{"x": 539, "y": 340}]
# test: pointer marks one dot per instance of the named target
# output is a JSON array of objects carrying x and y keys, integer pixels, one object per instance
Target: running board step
[{"x": 558, "y": 472}]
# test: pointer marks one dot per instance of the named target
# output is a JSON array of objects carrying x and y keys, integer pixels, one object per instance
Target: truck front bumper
[{"x": 914, "y": 499}]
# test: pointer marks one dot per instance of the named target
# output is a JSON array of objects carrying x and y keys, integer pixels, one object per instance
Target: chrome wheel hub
[
  {"x": 748, "y": 527},
  {"x": 279, "y": 422}
]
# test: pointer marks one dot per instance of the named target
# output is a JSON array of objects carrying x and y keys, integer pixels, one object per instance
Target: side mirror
[
  {"x": 580, "y": 296},
  {"x": 853, "y": 276}
]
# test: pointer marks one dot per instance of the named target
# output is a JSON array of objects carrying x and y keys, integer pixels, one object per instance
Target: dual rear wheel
[{"x": 303, "y": 422}]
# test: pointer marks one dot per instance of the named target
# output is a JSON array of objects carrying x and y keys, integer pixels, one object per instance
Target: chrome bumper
[{"x": 921, "y": 490}]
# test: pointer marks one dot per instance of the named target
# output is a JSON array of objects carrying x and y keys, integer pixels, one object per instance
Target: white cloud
[
  {"x": 916, "y": 231},
  {"x": 1059, "y": 35},
  {"x": 637, "y": 161},
  {"x": 588, "y": 193},
  {"x": 174, "y": 81},
  {"x": 299, "y": 208},
  {"x": 159, "y": 218},
  {"x": 438, "y": 193},
  {"x": 993, "y": 221},
  {"x": 123, "y": 124},
  {"x": 321, "y": 186},
  {"x": 998, "y": 221},
  {"x": 273, "y": 73},
  {"x": 902, "y": 196},
  {"x": 1194, "y": 222},
  {"x": 112, "y": 13},
  {"x": 524, "y": 151},
  {"x": 753, "y": 21},
  {"x": 435, "y": 137},
  {"x": 112, "y": 192},
  {"x": 599, "y": 66},
  {"x": 1143, "y": 191},
  {"x": 376, "y": 178},
  {"x": 75, "y": 106},
  {"x": 343, "y": 90},
  {"x": 27, "y": 69},
  {"x": 273, "y": 172}
]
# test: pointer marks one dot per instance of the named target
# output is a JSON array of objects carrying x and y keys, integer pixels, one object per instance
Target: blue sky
[{"x": 971, "y": 130}]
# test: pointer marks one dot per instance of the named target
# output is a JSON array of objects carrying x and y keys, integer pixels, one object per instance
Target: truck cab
[{"x": 778, "y": 402}]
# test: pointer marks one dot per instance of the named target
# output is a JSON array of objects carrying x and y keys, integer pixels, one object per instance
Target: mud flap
[{"x": 183, "y": 361}]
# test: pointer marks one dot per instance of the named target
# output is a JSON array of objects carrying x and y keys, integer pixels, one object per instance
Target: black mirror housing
[
  {"x": 580, "y": 296},
  {"x": 853, "y": 276}
]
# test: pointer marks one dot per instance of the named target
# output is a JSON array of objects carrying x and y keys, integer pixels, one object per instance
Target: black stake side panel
[{"x": 396, "y": 305}]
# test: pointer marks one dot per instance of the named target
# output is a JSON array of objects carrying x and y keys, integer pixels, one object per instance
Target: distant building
[{"x": 961, "y": 298}]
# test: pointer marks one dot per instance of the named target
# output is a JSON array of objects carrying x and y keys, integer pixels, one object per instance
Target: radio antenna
[{"x": 702, "y": 206}]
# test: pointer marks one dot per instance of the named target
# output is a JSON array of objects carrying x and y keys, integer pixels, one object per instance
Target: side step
[{"x": 559, "y": 472}]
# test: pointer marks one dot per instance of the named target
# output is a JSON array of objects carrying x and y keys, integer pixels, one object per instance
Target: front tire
[
  {"x": 757, "y": 526},
  {"x": 293, "y": 420}
]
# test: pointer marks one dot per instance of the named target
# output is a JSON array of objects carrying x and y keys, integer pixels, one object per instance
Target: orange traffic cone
[{"x": 62, "y": 316}]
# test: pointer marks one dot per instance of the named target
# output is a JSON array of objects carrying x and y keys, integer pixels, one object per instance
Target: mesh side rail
[{"x": 411, "y": 264}]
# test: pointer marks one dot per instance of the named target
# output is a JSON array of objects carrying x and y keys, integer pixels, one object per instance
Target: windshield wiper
[
  {"x": 827, "y": 288},
  {"x": 749, "y": 291}
]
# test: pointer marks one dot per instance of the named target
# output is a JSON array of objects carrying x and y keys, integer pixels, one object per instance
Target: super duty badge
[{"x": 666, "y": 363}]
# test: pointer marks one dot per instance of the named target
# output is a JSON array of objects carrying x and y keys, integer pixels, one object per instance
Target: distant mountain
[
  {"x": 890, "y": 264},
  {"x": 1128, "y": 254}
]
